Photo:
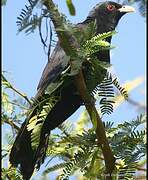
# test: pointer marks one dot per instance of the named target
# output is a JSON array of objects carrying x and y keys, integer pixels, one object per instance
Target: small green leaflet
[{"x": 71, "y": 7}]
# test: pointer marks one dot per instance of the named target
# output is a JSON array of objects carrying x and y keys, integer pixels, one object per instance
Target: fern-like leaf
[
  {"x": 97, "y": 43},
  {"x": 121, "y": 89},
  {"x": 79, "y": 160},
  {"x": 27, "y": 20},
  {"x": 55, "y": 168},
  {"x": 36, "y": 122},
  {"x": 106, "y": 91}
]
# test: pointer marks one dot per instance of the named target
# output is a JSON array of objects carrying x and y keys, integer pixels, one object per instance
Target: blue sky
[{"x": 23, "y": 56}]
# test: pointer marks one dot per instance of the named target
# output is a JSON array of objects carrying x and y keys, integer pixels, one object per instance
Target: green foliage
[
  {"x": 79, "y": 152},
  {"x": 106, "y": 91},
  {"x": 71, "y": 7},
  {"x": 28, "y": 21},
  {"x": 98, "y": 81},
  {"x": 97, "y": 43},
  {"x": 7, "y": 107},
  {"x": 35, "y": 122},
  {"x": 13, "y": 113},
  {"x": 78, "y": 160},
  {"x": 122, "y": 90},
  {"x": 11, "y": 173},
  {"x": 131, "y": 136},
  {"x": 44, "y": 106},
  {"x": 10, "y": 103}
]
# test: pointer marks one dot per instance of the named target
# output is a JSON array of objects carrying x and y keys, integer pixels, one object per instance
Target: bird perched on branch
[{"x": 106, "y": 15}]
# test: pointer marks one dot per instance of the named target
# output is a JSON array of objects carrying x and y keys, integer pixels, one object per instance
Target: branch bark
[
  {"x": 70, "y": 45},
  {"x": 12, "y": 124},
  {"x": 100, "y": 130}
]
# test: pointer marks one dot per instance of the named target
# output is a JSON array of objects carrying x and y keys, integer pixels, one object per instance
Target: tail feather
[{"x": 22, "y": 153}]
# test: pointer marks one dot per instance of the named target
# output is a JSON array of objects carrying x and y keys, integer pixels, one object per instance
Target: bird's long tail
[{"x": 22, "y": 153}]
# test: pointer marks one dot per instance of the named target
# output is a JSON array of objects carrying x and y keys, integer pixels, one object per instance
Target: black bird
[{"x": 107, "y": 15}]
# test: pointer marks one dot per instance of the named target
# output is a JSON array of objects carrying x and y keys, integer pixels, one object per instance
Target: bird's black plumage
[{"x": 107, "y": 16}]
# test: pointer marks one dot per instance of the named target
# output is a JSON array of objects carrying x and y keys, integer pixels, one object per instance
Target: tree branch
[
  {"x": 12, "y": 124},
  {"x": 100, "y": 130},
  {"x": 16, "y": 90},
  {"x": 21, "y": 94},
  {"x": 69, "y": 43}
]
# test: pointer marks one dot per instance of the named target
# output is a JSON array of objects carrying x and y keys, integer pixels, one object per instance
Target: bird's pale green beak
[{"x": 126, "y": 9}]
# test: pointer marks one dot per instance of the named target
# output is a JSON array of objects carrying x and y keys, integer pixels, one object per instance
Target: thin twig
[
  {"x": 40, "y": 34},
  {"x": 12, "y": 124},
  {"x": 21, "y": 94},
  {"x": 50, "y": 43},
  {"x": 16, "y": 104},
  {"x": 16, "y": 90}
]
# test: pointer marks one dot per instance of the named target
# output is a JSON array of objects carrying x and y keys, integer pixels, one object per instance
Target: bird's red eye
[{"x": 110, "y": 7}]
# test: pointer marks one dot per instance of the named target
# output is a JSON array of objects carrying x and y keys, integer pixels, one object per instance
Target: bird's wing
[
  {"x": 57, "y": 62},
  {"x": 54, "y": 67}
]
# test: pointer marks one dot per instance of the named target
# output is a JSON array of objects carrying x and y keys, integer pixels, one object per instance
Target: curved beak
[{"x": 126, "y": 9}]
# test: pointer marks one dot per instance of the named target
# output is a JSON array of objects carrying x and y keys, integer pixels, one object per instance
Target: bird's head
[{"x": 107, "y": 15}]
